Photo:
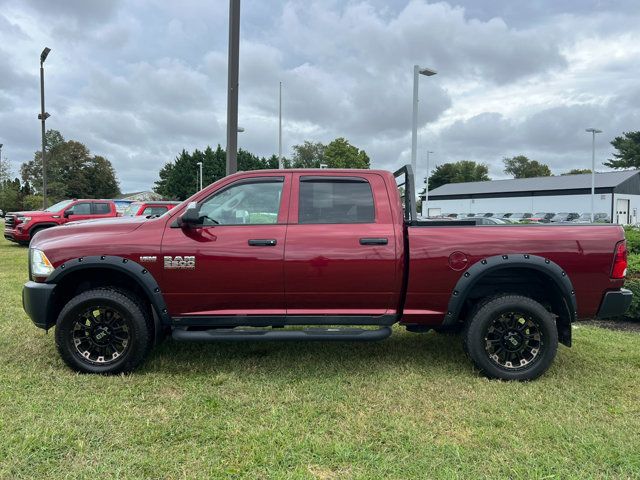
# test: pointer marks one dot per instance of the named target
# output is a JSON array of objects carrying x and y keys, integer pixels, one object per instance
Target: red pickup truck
[
  {"x": 257, "y": 253},
  {"x": 21, "y": 227}
]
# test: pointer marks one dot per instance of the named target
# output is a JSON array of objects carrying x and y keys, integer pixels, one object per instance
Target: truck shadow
[{"x": 431, "y": 350}]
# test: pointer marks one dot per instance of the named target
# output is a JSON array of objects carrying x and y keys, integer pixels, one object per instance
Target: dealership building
[{"x": 616, "y": 193}]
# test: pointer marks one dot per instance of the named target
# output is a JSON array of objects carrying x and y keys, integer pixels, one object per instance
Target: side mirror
[
  {"x": 67, "y": 213},
  {"x": 190, "y": 217}
]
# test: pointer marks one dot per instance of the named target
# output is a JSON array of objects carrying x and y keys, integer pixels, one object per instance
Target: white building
[{"x": 617, "y": 195}]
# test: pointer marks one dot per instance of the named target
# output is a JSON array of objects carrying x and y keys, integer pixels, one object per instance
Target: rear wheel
[
  {"x": 511, "y": 337},
  {"x": 103, "y": 331}
]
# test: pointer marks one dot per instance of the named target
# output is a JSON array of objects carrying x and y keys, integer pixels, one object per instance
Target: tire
[
  {"x": 33, "y": 233},
  {"x": 511, "y": 337},
  {"x": 104, "y": 331}
]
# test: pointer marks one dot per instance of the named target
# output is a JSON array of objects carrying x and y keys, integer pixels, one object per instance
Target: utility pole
[
  {"x": 43, "y": 117},
  {"x": 232, "y": 86},
  {"x": 593, "y": 132},
  {"x": 280, "y": 127}
]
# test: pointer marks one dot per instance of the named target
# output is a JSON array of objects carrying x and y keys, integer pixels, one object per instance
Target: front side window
[
  {"x": 246, "y": 203},
  {"x": 338, "y": 200},
  {"x": 158, "y": 210},
  {"x": 80, "y": 209}
]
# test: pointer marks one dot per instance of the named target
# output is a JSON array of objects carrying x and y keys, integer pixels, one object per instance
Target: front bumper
[
  {"x": 16, "y": 235},
  {"x": 37, "y": 302},
  {"x": 615, "y": 303}
]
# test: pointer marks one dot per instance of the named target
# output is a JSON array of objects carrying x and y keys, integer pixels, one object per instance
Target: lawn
[{"x": 408, "y": 407}]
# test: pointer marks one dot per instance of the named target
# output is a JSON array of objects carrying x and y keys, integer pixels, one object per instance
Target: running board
[{"x": 309, "y": 334}]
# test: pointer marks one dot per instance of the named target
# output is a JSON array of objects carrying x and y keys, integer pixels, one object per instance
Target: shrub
[
  {"x": 633, "y": 284},
  {"x": 632, "y": 235}
]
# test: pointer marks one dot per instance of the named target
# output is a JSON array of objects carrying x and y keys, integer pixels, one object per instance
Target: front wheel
[
  {"x": 511, "y": 337},
  {"x": 103, "y": 331}
]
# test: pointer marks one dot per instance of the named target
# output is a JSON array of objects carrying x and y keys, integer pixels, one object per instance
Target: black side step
[{"x": 309, "y": 334}]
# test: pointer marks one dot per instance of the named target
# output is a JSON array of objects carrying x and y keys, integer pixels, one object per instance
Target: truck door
[
  {"x": 340, "y": 257},
  {"x": 233, "y": 263}
]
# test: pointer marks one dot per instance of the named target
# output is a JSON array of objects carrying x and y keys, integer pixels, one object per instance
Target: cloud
[{"x": 139, "y": 81}]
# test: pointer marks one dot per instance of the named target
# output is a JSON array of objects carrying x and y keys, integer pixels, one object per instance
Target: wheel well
[
  {"x": 528, "y": 282},
  {"x": 35, "y": 229},
  {"x": 74, "y": 283}
]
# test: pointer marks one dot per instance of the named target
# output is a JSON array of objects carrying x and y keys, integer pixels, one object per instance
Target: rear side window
[
  {"x": 335, "y": 200},
  {"x": 154, "y": 211},
  {"x": 101, "y": 208}
]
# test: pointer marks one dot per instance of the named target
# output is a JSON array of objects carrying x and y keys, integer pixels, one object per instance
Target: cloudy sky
[{"x": 138, "y": 81}]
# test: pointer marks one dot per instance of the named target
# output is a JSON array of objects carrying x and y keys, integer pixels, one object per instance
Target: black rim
[
  {"x": 514, "y": 340},
  {"x": 101, "y": 335}
]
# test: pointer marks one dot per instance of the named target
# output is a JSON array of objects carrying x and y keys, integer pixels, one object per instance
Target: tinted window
[
  {"x": 335, "y": 201},
  {"x": 101, "y": 208},
  {"x": 246, "y": 203},
  {"x": 80, "y": 209},
  {"x": 154, "y": 211}
]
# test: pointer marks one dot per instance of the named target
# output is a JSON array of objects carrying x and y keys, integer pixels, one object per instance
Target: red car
[
  {"x": 148, "y": 208},
  {"x": 332, "y": 249},
  {"x": 21, "y": 227}
]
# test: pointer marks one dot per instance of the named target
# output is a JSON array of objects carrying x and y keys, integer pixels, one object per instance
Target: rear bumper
[
  {"x": 36, "y": 301},
  {"x": 615, "y": 304}
]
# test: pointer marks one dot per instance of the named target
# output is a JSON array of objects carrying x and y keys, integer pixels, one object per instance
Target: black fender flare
[
  {"x": 134, "y": 270},
  {"x": 498, "y": 262}
]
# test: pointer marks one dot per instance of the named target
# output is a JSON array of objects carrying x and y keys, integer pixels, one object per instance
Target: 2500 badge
[{"x": 179, "y": 262}]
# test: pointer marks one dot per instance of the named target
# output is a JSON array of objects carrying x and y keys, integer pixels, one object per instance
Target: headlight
[
  {"x": 23, "y": 219},
  {"x": 40, "y": 264}
]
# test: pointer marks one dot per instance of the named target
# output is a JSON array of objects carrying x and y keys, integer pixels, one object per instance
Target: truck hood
[
  {"x": 34, "y": 213},
  {"x": 106, "y": 226}
]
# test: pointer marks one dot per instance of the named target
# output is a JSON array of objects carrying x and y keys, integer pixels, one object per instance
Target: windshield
[
  {"x": 58, "y": 206},
  {"x": 131, "y": 210}
]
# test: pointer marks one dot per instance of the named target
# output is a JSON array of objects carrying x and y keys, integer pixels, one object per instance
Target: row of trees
[
  {"x": 627, "y": 156},
  {"x": 179, "y": 178},
  {"x": 72, "y": 172}
]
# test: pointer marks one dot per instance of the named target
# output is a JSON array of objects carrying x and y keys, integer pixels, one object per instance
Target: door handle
[
  {"x": 260, "y": 242},
  {"x": 374, "y": 241}
]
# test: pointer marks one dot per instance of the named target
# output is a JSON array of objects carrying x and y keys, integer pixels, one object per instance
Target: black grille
[{"x": 9, "y": 221}]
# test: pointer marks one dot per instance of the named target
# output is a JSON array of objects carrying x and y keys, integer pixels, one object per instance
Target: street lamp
[
  {"x": 42, "y": 116},
  {"x": 200, "y": 165},
  {"x": 593, "y": 132},
  {"x": 426, "y": 186},
  {"x": 427, "y": 72}
]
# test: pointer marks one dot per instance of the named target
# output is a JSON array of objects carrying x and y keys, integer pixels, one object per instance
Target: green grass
[{"x": 408, "y": 407}]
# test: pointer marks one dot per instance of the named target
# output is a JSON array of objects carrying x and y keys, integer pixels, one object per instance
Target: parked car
[
  {"x": 500, "y": 215},
  {"x": 121, "y": 205},
  {"x": 564, "y": 217},
  {"x": 491, "y": 221},
  {"x": 148, "y": 208},
  {"x": 1, "y": 213},
  {"x": 519, "y": 216},
  {"x": 21, "y": 227},
  {"x": 319, "y": 247},
  {"x": 542, "y": 217},
  {"x": 597, "y": 218}
]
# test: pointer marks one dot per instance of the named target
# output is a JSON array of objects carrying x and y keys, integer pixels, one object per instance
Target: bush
[
  {"x": 633, "y": 284},
  {"x": 632, "y": 235}
]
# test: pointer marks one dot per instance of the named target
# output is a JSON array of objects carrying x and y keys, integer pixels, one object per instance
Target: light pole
[
  {"x": 42, "y": 116},
  {"x": 426, "y": 185},
  {"x": 427, "y": 72},
  {"x": 280, "y": 127},
  {"x": 593, "y": 132},
  {"x": 200, "y": 165},
  {"x": 232, "y": 87}
]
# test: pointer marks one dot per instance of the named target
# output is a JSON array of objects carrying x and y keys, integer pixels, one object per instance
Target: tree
[
  {"x": 341, "y": 154},
  {"x": 179, "y": 178},
  {"x": 522, "y": 167},
  {"x": 308, "y": 155},
  {"x": 458, "y": 172},
  {"x": 72, "y": 172},
  {"x": 628, "y": 151},
  {"x": 577, "y": 171},
  {"x": 337, "y": 154}
]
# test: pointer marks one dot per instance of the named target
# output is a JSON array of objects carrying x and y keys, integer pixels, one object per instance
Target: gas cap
[{"x": 458, "y": 261}]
